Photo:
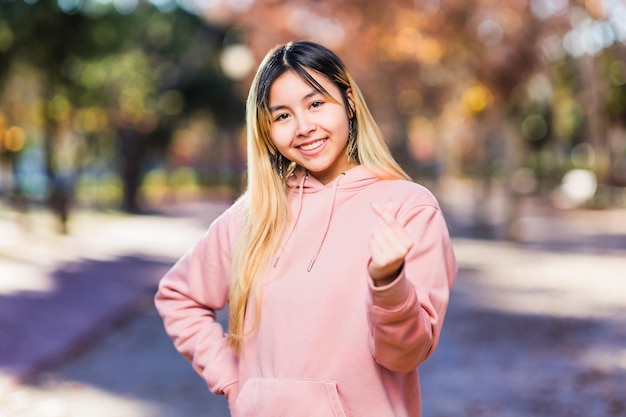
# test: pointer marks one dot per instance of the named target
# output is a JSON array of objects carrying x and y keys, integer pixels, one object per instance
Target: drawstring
[
  {"x": 295, "y": 220},
  {"x": 297, "y": 217},
  {"x": 328, "y": 219}
]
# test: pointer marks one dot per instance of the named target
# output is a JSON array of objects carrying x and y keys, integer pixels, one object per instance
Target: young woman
[{"x": 335, "y": 267}]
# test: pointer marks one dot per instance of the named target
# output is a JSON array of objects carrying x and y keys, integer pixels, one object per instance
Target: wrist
[{"x": 384, "y": 279}]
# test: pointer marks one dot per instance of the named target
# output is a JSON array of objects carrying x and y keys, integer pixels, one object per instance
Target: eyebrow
[{"x": 306, "y": 97}]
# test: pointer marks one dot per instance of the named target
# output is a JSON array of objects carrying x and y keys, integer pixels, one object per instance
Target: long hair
[{"x": 266, "y": 208}]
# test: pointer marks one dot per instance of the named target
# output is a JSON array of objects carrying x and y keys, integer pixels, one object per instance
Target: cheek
[
  {"x": 342, "y": 128},
  {"x": 281, "y": 136}
]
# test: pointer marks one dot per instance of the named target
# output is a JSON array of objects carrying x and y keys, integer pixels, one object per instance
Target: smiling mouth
[{"x": 313, "y": 145}]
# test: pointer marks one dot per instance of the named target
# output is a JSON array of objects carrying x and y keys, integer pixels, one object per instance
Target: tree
[
  {"x": 477, "y": 75},
  {"x": 112, "y": 77}
]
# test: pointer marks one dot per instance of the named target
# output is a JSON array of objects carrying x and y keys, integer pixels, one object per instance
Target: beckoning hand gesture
[{"x": 389, "y": 245}]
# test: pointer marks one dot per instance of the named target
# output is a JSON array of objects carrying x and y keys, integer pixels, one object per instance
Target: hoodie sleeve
[
  {"x": 188, "y": 297},
  {"x": 406, "y": 316}
]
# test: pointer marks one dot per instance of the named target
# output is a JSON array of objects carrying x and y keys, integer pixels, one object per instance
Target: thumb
[{"x": 390, "y": 207}]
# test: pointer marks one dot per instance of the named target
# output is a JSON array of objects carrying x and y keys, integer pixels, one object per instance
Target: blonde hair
[{"x": 266, "y": 208}]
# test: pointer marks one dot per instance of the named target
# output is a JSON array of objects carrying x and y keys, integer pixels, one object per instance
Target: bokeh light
[
  {"x": 237, "y": 61},
  {"x": 578, "y": 186},
  {"x": 518, "y": 94},
  {"x": 477, "y": 98}
]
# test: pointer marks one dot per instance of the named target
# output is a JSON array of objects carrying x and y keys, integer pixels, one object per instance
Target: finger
[
  {"x": 390, "y": 207},
  {"x": 392, "y": 236},
  {"x": 390, "y": 246},
  {"x": 384, "y": 260},
  {"x": 386, "y": 215}
]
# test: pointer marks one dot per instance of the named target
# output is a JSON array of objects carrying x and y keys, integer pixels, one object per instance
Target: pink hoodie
[{"x": 328, "y": 342}]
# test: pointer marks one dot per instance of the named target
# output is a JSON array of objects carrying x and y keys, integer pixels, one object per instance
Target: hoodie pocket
[{"x": 267, "y": 397}]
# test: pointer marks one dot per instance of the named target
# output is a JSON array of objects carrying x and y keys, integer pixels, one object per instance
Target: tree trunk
[{"x": 132, "y": 155}]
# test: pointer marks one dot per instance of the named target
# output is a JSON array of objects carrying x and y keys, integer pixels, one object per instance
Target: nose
[{"x": 305, "y": 125}]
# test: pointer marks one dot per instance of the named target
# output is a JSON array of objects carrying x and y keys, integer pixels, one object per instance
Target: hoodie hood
[
  {"x": 302, "y": 183},
  {"x": 352, "y": 179}
]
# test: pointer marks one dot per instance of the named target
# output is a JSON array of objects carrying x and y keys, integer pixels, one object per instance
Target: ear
[{"x": 351, "y": 106}]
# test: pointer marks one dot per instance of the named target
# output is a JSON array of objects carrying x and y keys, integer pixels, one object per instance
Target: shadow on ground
[
  {"x": 139, "y": 362},
  {"x": 97, "y": 329},
  {"x": 488, "y": 363},
  {"x": 496, "y": 363},
  {"x": 85, "y": 298}
]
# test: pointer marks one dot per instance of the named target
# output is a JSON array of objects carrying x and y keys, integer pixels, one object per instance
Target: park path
[{"x": 534, "y": 329}]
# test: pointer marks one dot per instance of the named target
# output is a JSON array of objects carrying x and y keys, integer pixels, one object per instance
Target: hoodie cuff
[{"x": 391, "y": 295}]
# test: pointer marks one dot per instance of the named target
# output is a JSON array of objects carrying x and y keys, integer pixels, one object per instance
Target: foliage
[
  {"x": 486, "y": 89},
  {"x": 118, "y": 84},
  {"x": 476, "y": 85}
]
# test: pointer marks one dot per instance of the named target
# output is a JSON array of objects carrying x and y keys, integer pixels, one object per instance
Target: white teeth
[{"x": 312, "y": 146}]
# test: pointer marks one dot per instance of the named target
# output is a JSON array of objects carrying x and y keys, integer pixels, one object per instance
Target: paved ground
[{"x": 534, "y": 329}]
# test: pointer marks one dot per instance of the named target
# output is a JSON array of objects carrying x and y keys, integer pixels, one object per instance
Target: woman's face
[{"x": 308, "y": 127}]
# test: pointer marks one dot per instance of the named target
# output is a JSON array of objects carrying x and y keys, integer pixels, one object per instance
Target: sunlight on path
[{"x": 506, "y": 277}]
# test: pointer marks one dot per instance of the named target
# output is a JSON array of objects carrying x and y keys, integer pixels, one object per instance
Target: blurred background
[
  {"x": 122, "y": 136},
  {"x": 130, "y": 104}
]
